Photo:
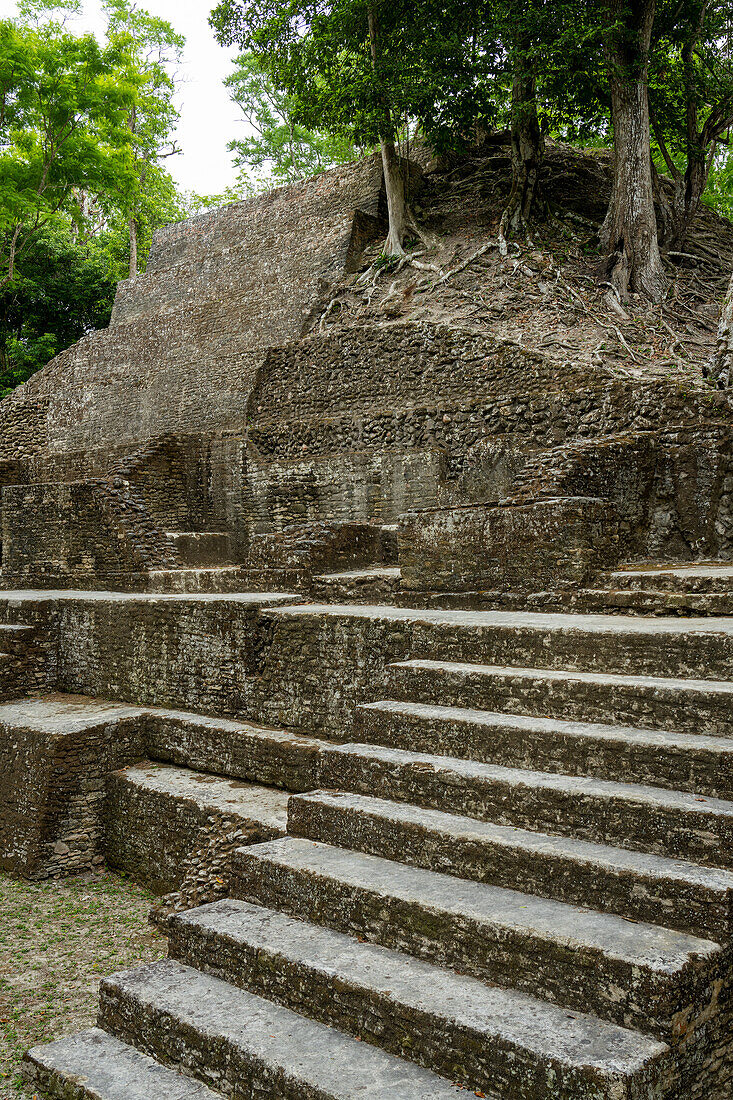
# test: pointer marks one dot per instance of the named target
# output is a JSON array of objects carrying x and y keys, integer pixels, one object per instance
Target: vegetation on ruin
[{"x": 57, "y": 940}]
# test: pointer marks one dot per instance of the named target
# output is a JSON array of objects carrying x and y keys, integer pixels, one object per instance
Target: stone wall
[{"x": 75, "y": 530}]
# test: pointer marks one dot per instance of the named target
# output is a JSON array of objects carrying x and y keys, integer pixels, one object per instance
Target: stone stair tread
[
  {"x": 657, "y": 949},
  {"x": 387, "y": 572},
  {"x": 663, "y": 683},
  {"x": 492, "y": 1014},
  {"x": 265, "y": 805},
  {"x": 721, "y": 570},
  {"x": 94, "y": 1065},
  {"x": 306, "y": 1051},
  {"x": 565, "y": 622},
  {"x": 688, "y": 742},
  {"x": 602, "y": 856},
  {"x": 523, "y": 777}
]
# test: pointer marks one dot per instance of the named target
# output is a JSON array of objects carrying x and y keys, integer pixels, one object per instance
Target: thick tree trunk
[
  {"x": 132, "y": 225},
  {"x": 720, "y": 367},
  {"x": 394, "y": 185},
  {"x": 629, "y": 233},
  {"x": 526, "y": 203}
]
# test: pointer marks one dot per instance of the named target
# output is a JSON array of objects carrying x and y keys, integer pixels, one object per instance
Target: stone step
[
  {"x": 201, "y": 548},
  {"x": 492, "y": 1040},
  {"x": 92, "y": 1065},
  {"x": 358, "y": 585},
  {"x": 635, "y": 975},
  {"x": 648, "y": 601},
  {"x": 678, "y": 578},
  {"x": 241, "y": 1044},
  {"x": 649, "y": 819},
  {"x": 701, "y": 647},
  {"x": 685, "y": 762},
  {"x": 15, "y": 638},
  {"x": 204, "y": 579},
  {"x": 232, "y": 747},
  {"x": 642, "y": 887},
  {"x": 164, "y": 822},
  {"x": 684, "y": 705}
]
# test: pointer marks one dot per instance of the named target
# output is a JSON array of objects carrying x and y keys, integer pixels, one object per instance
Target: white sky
[{"x": 208, "y": 118}]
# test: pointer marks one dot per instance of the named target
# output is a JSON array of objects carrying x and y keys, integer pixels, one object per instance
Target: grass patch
[{"x": 57, "y": 939}]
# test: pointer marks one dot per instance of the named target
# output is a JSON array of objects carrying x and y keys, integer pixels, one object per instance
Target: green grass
[{"x": 57, "y": 939}]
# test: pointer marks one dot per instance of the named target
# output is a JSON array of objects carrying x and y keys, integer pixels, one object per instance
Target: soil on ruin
[
  {"x": 548, "y": 293},
  {"x": 57, "y": 940}
]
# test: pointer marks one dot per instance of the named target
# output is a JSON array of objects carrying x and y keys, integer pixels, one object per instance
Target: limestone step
[
  {"x": 494, "y": 1041},
  {"x": 649, "y": 601},
  {"x": 244, "y": 1045},
  {"x": 204, "y": 579},
  {"x": 92, "y": 1065},
  {"x": 655, "y": 702},
  {"x": 235, "y": 748},
  {"x": 358, "y": 585},
  {"x": 686, "y": 762},
  {"x": 162, "y": 821},
  {"x": 678, "y": 578},
  {"x": 200, "y": 548},
  {"x": 633, "y": 974},
  {"x": 701, "y": 647},
  {"x": 643, "y": 887},
  {"x": 16, "y": 637},
  {"x": 649, "y": 819}
]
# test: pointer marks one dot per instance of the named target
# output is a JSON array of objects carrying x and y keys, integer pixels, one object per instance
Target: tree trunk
[
  {"x": 629, "y": 233},
  {"x": 525, "y": 203},
  {"x": 688, "y": 192},
  {"x": 132, "y": 225},
  {"x": 720, "y": 367},
  {"x": 394, "y": 185}
]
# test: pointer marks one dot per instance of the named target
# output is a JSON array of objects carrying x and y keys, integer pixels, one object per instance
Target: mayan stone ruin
[{"x": 391, "y": 645}]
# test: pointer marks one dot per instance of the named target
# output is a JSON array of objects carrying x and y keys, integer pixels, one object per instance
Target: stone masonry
[{"x": 397, "y": 660}]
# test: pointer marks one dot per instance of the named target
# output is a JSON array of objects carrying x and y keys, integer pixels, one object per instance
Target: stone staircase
[{"x": 513, "y": 878}]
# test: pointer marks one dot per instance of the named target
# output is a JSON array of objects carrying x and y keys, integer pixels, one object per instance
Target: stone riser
[
  {"x": 682, "y": 766},
  {"x": 542, "y": 865},
  {"x": 362, "y": 1000},
  {"x": 653, "y": 707},
  {"x": 561, "y": 972}
]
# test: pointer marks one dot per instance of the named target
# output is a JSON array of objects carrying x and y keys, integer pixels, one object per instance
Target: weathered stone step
[
  {"x": 684, "y": 705},
  {"x": 702, "y": 647},
  {"x": 631, "y": 815},
  {"x": 15, "y": 637},
  {"x": 649, "y": 601},
  {"x": 93, "y": 1065},
  {"x": 636, "y": 975},
  {"x": 678, "y": 578},
  {"x": 201, "y": 548},
  {"x": 686, "y": 762},
  {"x": 202, "y": 579},
  {"x": 240, "y": 749},
  {"x": 162, "y": 821},
  {"x": 358, "y": 585},
  {"x": 493, "y": 1040},
  {"x": 643, "y": 887},
  {"x": 245, "y": 1045}
]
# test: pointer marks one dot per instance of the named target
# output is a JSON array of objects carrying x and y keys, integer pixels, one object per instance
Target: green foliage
[
  {"x": 66, "y": 288},
  {"x": 278, "y": 149}
]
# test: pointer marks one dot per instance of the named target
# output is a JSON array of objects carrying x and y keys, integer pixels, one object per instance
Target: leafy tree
[
  {"x": 65, "y": 288},
  {"x": 147, "y": 49},
  {"x": 279, "y": 149},
  {"x": 61, "y": 113},
  {"x": 691, "y": 100}
]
